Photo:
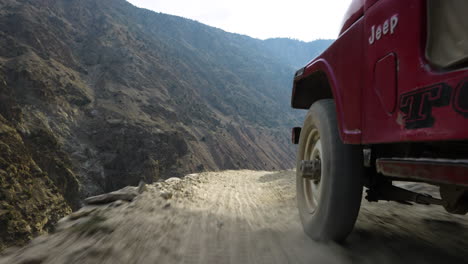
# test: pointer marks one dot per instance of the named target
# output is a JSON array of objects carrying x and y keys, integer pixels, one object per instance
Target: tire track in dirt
[{"x": 243, "y": 217}]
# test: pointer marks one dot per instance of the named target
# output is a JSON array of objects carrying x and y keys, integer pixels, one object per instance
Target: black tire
[{"x": 332, "y": 215}]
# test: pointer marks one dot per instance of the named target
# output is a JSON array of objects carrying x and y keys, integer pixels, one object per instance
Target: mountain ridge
[{"x": 102, "y": 94}]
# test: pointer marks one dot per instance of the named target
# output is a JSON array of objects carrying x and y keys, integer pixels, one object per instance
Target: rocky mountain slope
[{"x": 97, "y": 95}]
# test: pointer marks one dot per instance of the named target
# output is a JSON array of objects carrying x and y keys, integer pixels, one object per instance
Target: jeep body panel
[
  {"x": 418, "y": 85},
  {"x": 384, "y": 88},
  {"x": 339, "y": 63}
]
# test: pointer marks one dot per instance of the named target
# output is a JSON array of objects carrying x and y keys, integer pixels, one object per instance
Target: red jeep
[{"x": 387, "y": 101}]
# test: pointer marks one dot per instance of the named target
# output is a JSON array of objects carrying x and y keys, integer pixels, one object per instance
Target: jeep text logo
[
  {"x": 417, "y": 105},
  {"x": 388, "y": 27}
]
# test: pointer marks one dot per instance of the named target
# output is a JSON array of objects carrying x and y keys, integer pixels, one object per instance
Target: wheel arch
[{"x": 317, "y": 82}]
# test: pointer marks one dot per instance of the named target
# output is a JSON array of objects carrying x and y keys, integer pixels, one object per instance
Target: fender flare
[{"x": 317, "y": 82}]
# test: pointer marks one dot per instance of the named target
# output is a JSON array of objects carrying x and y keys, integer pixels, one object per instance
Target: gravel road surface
[{"x": 241, "y": 217}]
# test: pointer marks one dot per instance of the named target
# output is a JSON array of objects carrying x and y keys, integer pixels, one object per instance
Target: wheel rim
[{"x": 313, "y": 150}]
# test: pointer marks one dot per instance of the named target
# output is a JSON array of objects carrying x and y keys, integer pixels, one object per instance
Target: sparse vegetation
[{"x": 91, "y": 91}]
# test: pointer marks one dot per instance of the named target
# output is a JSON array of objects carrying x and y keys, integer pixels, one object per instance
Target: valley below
[{"x": 240, "y": 216}]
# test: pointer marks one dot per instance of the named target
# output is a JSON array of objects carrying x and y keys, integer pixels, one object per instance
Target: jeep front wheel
[{"x": 328, "y": 181}]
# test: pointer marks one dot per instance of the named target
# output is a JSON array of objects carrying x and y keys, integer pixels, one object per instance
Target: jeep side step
[
  {"x": 388, "y": 192},
  {"x": 441, "y": 171}
]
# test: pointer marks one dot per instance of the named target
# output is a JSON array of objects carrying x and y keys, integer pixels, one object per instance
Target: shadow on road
[
  {"x": 388, "y": 232},
  {"x": 387, "y": 246}
]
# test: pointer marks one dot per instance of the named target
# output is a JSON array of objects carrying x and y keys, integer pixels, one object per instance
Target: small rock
[
  {"x": 114, "y": 121},
  {"x": 173, "y": 180},
  {"x": 142, "y": 187},
  {"x": 166, "y": 195},
  {"x": 117, "y": 203},
  {"x": 192, "y": 176},
  {"x": 126, "y": 194},
  {"x": 81, "y": 213},
  {"x": 167, "y": 205}
]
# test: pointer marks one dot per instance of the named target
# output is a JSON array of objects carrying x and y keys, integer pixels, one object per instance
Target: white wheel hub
[{"x": 312, "y": 188}]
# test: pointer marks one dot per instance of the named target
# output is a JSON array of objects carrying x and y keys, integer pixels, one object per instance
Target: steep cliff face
[
  {"x": 30, "y": 203},
  {"x": 96, "y": 95}
]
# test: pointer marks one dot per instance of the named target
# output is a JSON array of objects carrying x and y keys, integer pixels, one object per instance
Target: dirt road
[{"x": 241, "y": 217}]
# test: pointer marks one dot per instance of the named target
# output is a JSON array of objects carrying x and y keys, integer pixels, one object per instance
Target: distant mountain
[
  {"x": 99, "y": 94},
  {"x": 296, "y": 53}
]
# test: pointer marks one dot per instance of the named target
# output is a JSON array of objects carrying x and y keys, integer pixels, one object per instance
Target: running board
[
  {"x": 389, "y": 192},
  {"x": 443, "y": 171}
]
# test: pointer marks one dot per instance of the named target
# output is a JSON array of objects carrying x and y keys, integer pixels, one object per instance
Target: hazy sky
[{"x": 301, "y": 19}]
